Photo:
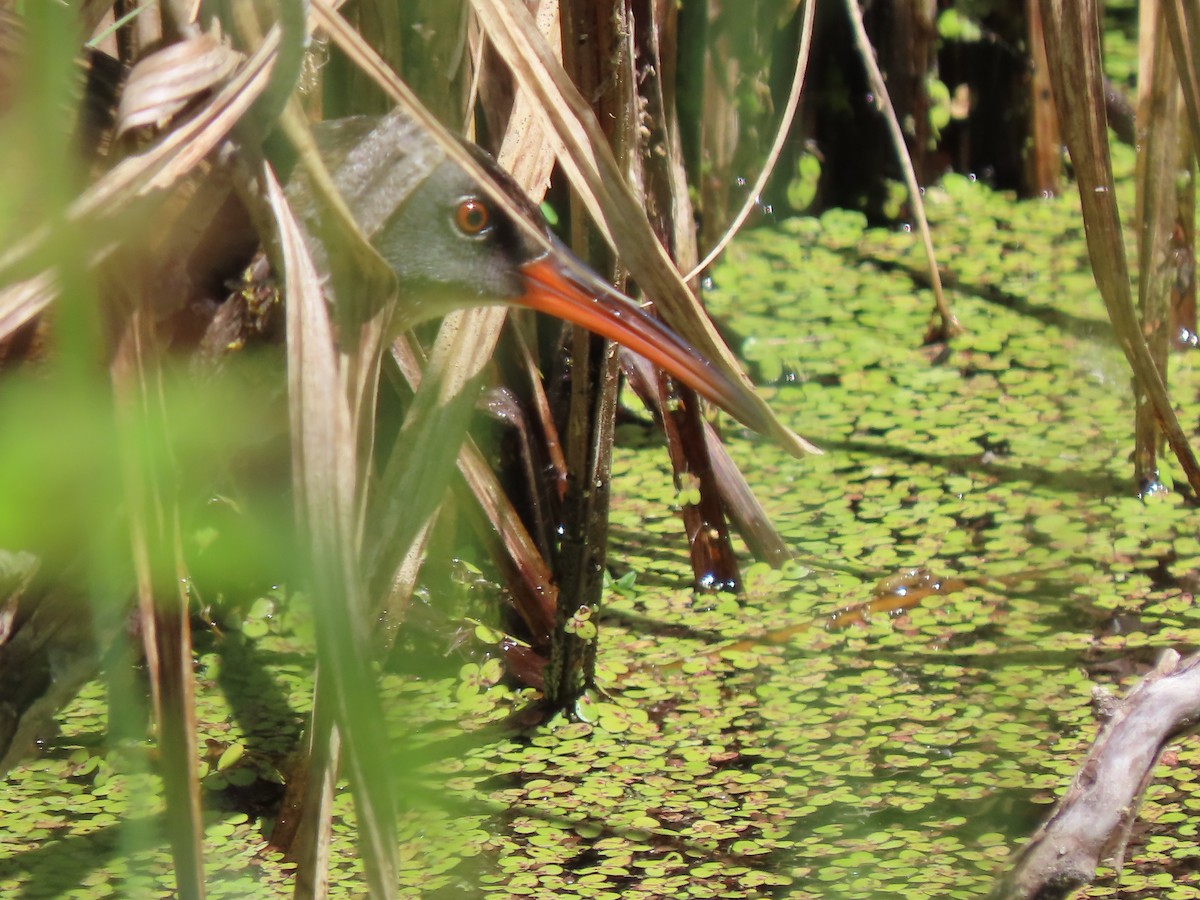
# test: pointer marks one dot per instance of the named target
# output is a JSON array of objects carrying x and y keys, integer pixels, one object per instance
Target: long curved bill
[{"x": 594, "y": 305}]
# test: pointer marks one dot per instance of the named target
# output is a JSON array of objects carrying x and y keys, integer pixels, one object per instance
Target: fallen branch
[{"x": 1094, "y": 817}]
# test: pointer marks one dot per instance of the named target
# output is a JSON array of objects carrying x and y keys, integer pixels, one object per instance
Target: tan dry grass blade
[
  {"x": 1182, "y": 21},
  {"x": 416, "y": 476},
  {"x": 949, "y": 324},
  {"x": 588, "y": 161},
  {"x": 365, "y": 290},
  {"x": 348, "y": 381},
  {"x": 518, "y": 543},
  {"x": 494, "y": 505},
  {"x": 25, "y": 291},
  {"x": 180, "y": 151},
  {"x": 29, "y": 291},
  {"x": 526, "y": 152},
  {"x": 745, "y": 512},
  {"x": 325, "y": 463},
  {"x": 1162, "y": 129},
  {"x": 163, "y": 83},
  {"x": 1073, "y": 48},
  {"x": 412, "y": 484},
  {"x": 20, "y": 302}
]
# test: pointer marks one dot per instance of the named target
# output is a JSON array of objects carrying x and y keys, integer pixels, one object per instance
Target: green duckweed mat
[{"x": 800, "y": 740}]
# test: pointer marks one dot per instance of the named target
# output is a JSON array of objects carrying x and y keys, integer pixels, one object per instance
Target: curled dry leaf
[{"x": 165, "y": 82}]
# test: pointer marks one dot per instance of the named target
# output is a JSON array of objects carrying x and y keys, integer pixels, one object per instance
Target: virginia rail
[{"x": 452, "y": 247}]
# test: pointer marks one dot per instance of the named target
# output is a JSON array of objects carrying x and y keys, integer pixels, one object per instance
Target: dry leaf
[{"x": 163, "y": 83}]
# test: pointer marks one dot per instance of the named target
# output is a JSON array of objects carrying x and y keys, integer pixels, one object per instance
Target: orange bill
[{"x": 550, "y": 288}]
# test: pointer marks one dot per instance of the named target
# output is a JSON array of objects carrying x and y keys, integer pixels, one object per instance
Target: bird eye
[{"x": 472, "y": 216}]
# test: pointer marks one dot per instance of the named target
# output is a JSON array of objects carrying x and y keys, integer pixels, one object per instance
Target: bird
[{"x": 452, "y": 247}]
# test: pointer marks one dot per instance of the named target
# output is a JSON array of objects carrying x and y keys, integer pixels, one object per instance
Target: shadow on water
[
  {"x": 258, "y": 702},
  {"x": 1011, "y": 812},
  {"x": 270, "y": 728},
  {"x": 1094, "y": 483},
  {"x": 1084, "y": 327},
  {"x": 60, "y": 865}
]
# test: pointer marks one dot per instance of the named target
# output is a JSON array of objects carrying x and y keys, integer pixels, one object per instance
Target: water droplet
[{"x": 1152, "y": 487}]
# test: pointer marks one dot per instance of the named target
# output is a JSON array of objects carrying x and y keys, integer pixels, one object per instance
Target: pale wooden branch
[{"x": 1093, "y": 818}]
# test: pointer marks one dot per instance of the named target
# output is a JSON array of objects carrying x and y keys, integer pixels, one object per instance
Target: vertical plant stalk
[
  {"x": 582, "y": 553},
  {"x": 382, "y": 26},
  {"x": 1073, "y": 48},
  {"x": 907, "y": 44},
  {"x": 1182, "y": 23},
  {"x": 717, "y": 131},
  {"x": 596, "y": 53},
  {"x": 1183, "y": 328},
  {"x": 326, "y": 471},
  {"x": 332, "y": 391},
  {"x": 949, "y": 324},
  {"x": 745, "y": 512},
  {"x": 161, "y": 592},
  {"x": 305, "y": 823},
  {"x": 1043, "y": 161},
  {"x": 657, "y": 175},
  {"x": 1159, "y": 136}
]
